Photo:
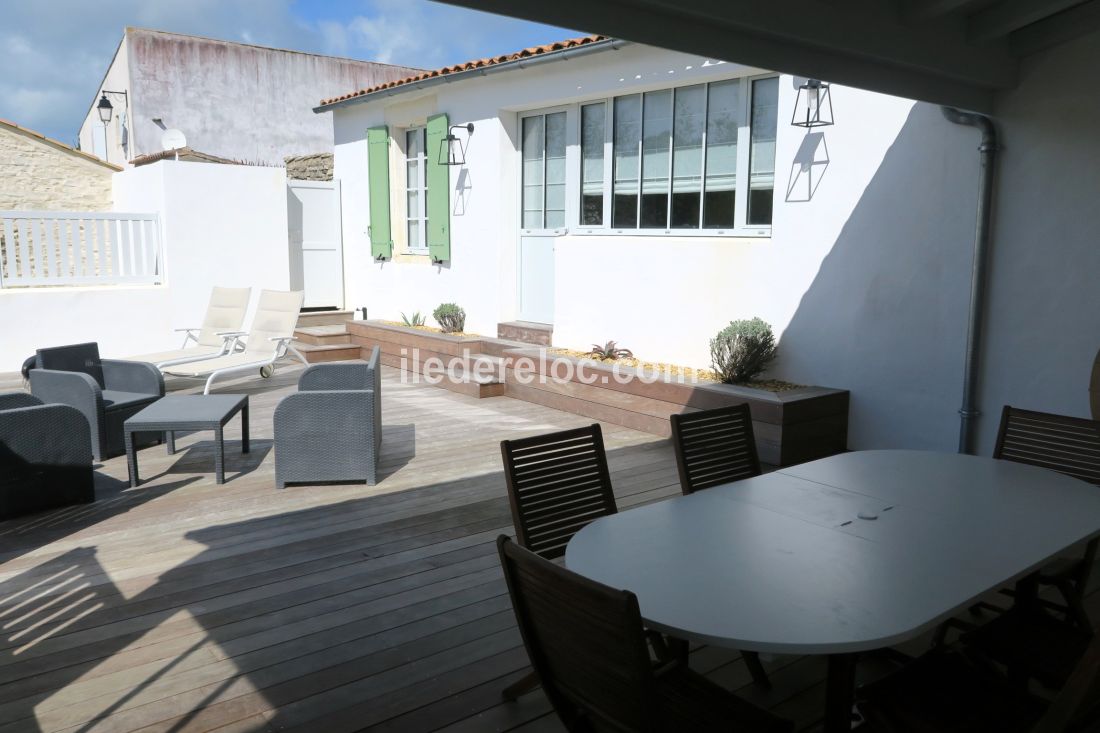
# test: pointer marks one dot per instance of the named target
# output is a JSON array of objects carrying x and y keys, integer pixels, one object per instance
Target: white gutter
[{"x": 563, "y": 54}]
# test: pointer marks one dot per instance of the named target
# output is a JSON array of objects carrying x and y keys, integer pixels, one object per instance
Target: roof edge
[
  {"x": 561, "y": 50},
  {"x": 58, "y": 144}
]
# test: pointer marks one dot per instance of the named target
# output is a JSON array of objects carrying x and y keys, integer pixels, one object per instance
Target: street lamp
[
  {"x": 106, "y": 110},
  {"x": 814, "y": 105}
]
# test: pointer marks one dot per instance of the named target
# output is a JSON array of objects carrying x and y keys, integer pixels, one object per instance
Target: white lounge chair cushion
[
  {"x": 198, "y": 352},
  {"x": 204, "y": 367}
]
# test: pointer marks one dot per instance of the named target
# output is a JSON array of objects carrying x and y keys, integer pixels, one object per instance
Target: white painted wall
[
  {"x": 123, "y": 320},
  {"x": 221, "y": 225},
  {"x": 866, "y": 281}
]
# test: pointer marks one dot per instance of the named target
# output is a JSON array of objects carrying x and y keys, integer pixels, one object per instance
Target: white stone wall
[{"x": 37, "y": 174}]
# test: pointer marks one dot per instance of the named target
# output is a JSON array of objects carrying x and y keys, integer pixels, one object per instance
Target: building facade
[
  {"x": 605, "y": 192},
  {"x": 231, "y": 100}
]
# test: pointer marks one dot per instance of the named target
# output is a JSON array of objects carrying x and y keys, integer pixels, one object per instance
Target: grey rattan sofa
[
  {"x": 106, "y": 391},
  {"x": 45, "y": 456},
  {"x": 331, "y": 429}
]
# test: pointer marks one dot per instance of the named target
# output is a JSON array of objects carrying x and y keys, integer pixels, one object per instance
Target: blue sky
[{"x": 56, "y": 51}]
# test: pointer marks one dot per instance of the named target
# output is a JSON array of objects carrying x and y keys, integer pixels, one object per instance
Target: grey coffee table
[{"x": 188, "y": 412}]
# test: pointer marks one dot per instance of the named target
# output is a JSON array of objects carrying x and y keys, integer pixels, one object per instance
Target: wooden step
[
  {"x": 324, "y": 318},
  {"x": 539, "y": 334},
  {"x": 323, "y": 335},
  {"x": 318, "y": 353},
  {"x": 461, "y": 379}
]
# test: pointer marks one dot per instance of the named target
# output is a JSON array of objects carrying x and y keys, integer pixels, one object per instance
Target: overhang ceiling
[{"x": 954, "y": 52}]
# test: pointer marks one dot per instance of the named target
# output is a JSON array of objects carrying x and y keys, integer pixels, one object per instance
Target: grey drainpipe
[{"x": 969, "y": 411}]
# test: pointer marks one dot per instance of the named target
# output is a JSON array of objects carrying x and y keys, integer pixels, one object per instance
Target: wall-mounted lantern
[
  {"x": 813, "y": 107},
  {"x": 451, "y": 150},
  {"x": 105, "y": 109}
]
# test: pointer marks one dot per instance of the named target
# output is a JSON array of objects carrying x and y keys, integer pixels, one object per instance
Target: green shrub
[
  {"x": 742, "y": 350},
  {"x": 450, "y": 317},
  {"x": 414, "y": 320}
]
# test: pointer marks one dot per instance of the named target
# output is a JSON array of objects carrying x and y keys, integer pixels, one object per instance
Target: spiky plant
[
  {"x": 415, "y": 320},
  {"x": 610, "y": 352}
]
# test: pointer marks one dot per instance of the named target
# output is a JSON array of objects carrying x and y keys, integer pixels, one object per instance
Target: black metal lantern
[
  {"x": 813, "y": 107},
  {"x": 451, "y": 150},
  {"x": 105, "y": 109}
]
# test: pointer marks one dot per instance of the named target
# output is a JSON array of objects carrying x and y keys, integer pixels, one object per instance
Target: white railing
[{"x": 40, "y": 248}]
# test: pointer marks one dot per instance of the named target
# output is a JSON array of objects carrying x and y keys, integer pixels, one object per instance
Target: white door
[
  {"x": 544, "y": 137},
  {"x": 536, "y": 278},
  {"x": 316, "y": 244}
]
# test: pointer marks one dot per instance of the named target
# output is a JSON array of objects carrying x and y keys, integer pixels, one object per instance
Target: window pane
[
  {"x": 765, "y": 109},
  {"x": 412, "y": 178},
  {"x": 627, "y": 138},
  {"x": 532, "y": 172},
  {"x": 413, "y": 146},
  {"x": 687, "y": 156},
  {"x": 593, "y": 121},
  {"x": 723, "y": 121},
  {"x": 414, "y": 234},
  {"x": 656, "y": 148},
  {"x": 414, "y": 204},
  {"x": 555, "y": 170}
]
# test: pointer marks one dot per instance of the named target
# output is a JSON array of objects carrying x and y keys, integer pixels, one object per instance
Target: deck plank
[{"x": 183, "y": 605}]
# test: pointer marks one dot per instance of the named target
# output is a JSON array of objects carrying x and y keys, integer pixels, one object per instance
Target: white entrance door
[
  {"x": 544, "y": 137},
  {"x": 536, "y": 278},
  {"x": 316, "y": 244}
]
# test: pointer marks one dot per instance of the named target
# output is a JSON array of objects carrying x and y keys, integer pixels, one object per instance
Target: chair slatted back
[
  {"x": 1068, "y": 445},
  {"x": 557, "y": 484},
  {"x": 714, "y": 447},
  {"x": 585, "y": 641}
]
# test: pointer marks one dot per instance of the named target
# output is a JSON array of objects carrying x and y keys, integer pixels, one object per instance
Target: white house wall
[
  {"x": 866, "y": 281},
  {"x": 91, "y": 136}
]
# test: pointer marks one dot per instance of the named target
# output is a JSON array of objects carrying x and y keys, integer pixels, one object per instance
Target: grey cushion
[
  {"x": 116, "y": 400},
  {"x": 82, "y": 358}
]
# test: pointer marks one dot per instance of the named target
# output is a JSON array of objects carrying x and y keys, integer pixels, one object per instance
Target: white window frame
[
  {"x": 572, "y": 172},
  {"x": 421, "y": 217},
  {"x": 744, "y": 145}
]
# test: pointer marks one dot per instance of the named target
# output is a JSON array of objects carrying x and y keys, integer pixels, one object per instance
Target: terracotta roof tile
[{"x": 470, "y": 66}]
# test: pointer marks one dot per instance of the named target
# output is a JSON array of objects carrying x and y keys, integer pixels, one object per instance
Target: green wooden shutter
[
  {"x": 378, "y": 179},
  {"x": 439, "y": 191}
]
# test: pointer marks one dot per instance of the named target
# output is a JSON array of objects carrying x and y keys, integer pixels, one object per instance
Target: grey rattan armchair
[
  {"x": 45, "y": 456},
  {"x": 105, "y": 391},
  {"x": 331, "y": 429}
]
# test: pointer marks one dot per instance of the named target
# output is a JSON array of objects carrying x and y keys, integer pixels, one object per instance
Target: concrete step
[
  {"x": 539, "y": 334},
  {"x": 497, "y": 347},
  {"x": 317, "y": 353},
  {"x": 322, "y": 335},
  {"x": 324, "y": 318}
]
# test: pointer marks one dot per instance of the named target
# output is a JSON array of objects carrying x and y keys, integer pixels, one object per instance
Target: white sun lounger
[
  {"x": 268, "y": 340},
  {"x": 224, "y": 315}
]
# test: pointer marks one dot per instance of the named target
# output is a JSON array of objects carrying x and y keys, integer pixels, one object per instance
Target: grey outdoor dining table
[{"x": 846, "y": 554}]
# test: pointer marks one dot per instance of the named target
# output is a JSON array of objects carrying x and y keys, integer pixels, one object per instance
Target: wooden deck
[{"x": 187, "y": 606}]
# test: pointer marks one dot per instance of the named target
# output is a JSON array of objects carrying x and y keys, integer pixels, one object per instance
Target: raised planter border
[{"x": 790, "y": 427}]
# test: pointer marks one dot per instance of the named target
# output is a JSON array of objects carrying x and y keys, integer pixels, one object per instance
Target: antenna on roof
[{"x": 173, "y": 140}]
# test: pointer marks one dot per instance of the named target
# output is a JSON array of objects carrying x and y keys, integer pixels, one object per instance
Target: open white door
[{"x": 316, "y": 244}]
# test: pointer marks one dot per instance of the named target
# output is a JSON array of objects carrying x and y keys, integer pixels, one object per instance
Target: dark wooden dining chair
[
  {"x": 557, "y": 483},
  {"x": 943, "y": 692},
  {"x": 1068, "y": 445},
  {"x": 714, "y": 447},
  {"x": 588, "y": 646}
]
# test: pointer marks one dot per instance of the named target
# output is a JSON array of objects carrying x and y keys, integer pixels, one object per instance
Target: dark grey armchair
[
  {"x": 45, "y": 456},
  {"x": 331, "y": 429},
  {"x": 106, "y": 391}
]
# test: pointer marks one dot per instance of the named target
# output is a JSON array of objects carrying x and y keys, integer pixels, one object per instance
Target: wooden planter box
[{"x": 790, "y": 427}]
